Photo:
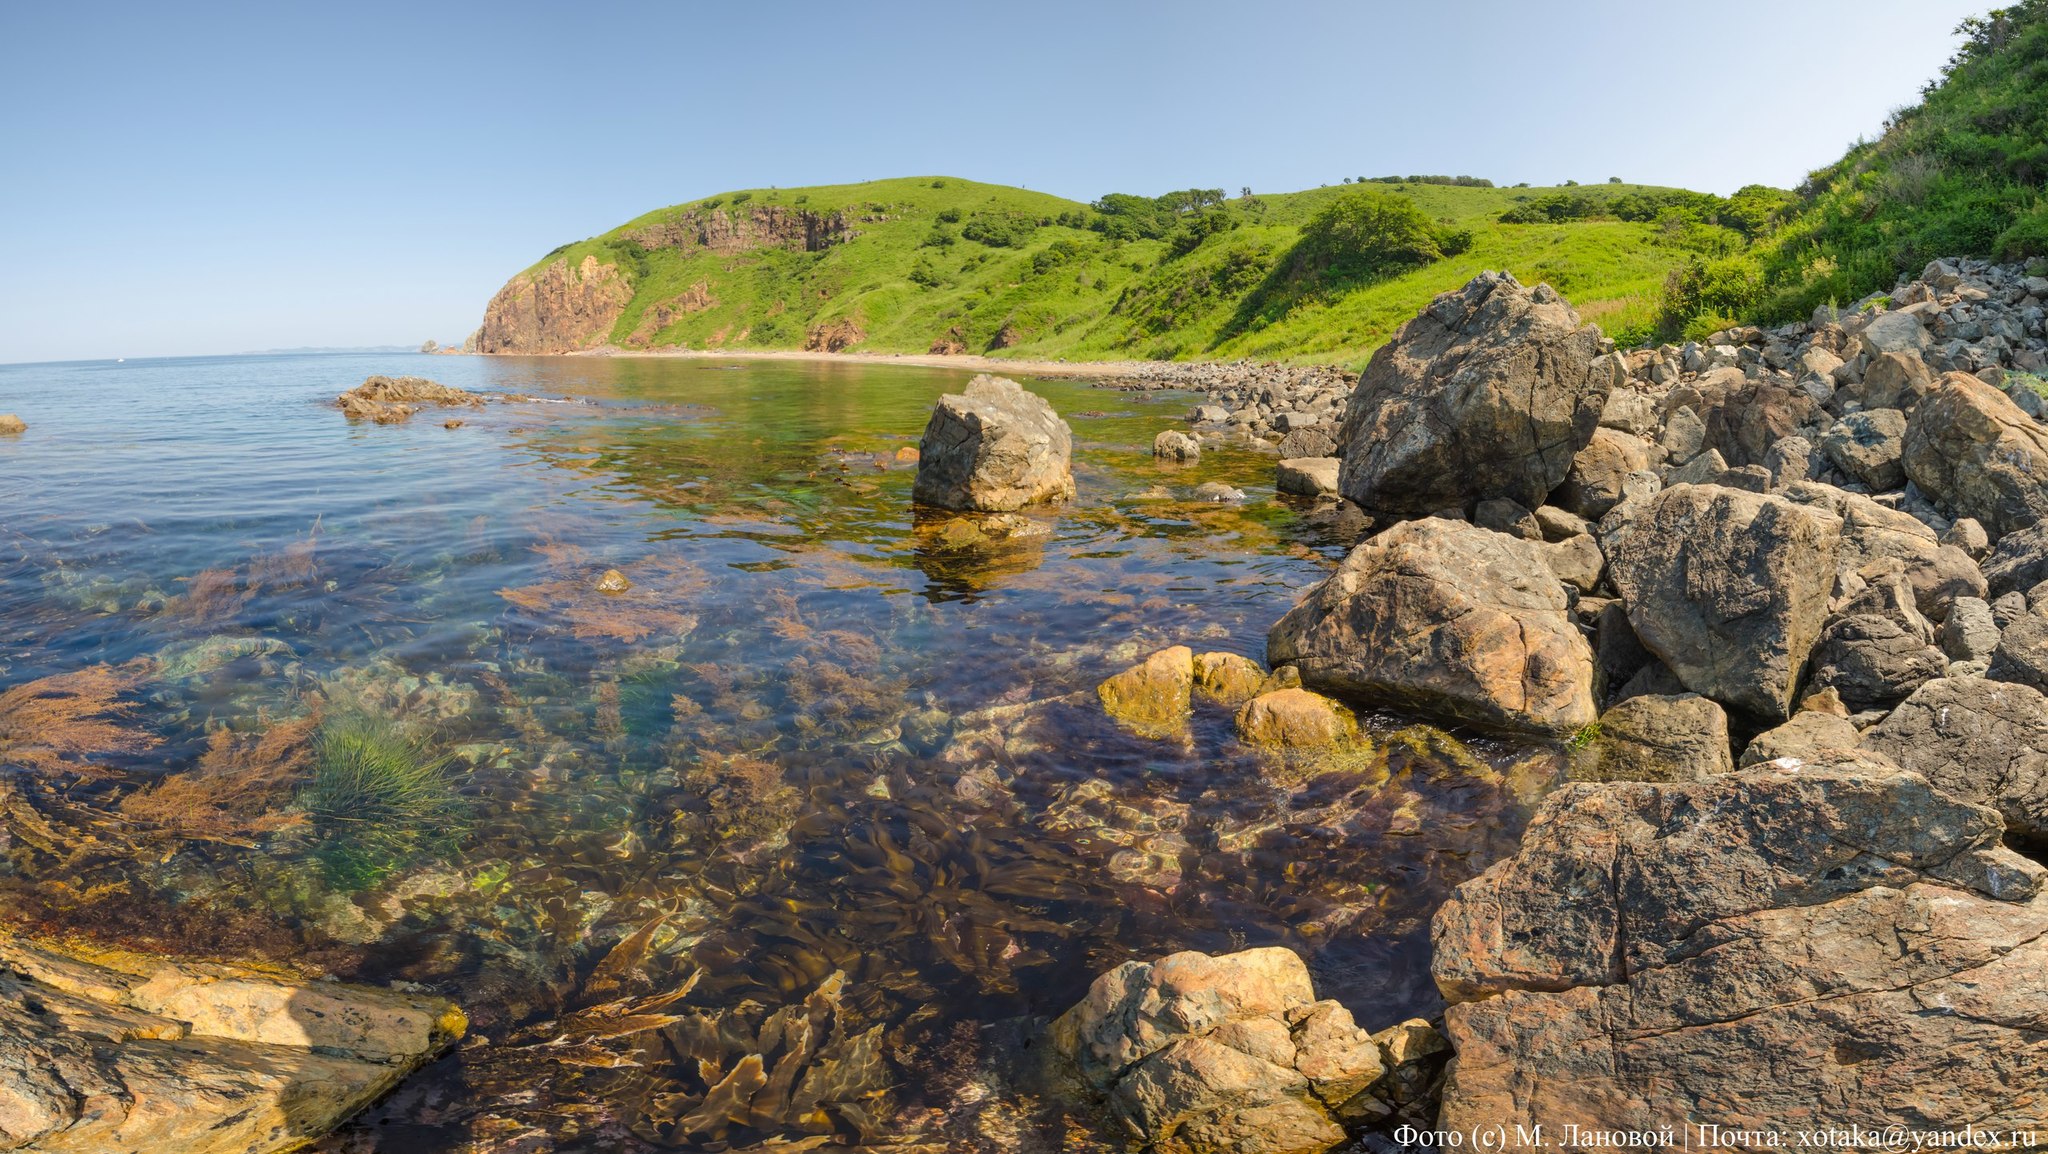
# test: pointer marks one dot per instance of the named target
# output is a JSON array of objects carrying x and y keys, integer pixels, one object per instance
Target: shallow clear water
[{"x": 825, "y": 753}]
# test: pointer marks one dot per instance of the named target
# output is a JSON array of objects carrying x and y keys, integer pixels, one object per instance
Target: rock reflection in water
[{"x": 791, "y": 840}]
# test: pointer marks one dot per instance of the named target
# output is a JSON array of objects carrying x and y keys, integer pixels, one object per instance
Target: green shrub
[
  {"x": 2026, "y": 237},
  {"x": 949, "y": 215},
  {"x": 999, "y": 229}
]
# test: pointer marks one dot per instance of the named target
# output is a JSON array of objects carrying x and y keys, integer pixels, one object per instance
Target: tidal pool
[{"x": 789, "y": 845}]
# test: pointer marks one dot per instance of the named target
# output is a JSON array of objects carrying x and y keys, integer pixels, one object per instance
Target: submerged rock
[
  {"x": 1205, "y": 1055},
  {"x": 1488, "y": 392},
  {"x": 1295, "y": 719},
  {"x": 11, "y": 425},
  {"x": 994, "y": 447},
  {"x": 1449, "y": 620},
  {"x": 1839, "y": 944},
  {"x": 132, "y": 1053},
  {"x": 1152, "y": 698},
  {"x": 1230, "y": 678}
]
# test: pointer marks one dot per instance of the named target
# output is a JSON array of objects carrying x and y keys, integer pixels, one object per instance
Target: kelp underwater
[{"x": 787, "y": 842}]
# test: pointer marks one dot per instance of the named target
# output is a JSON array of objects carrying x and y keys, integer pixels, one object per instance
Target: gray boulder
[
  {"x": 1174, "y": 445},
  {"x": 1307, "y": 476},
  {"x": 993, "y": 448},
  {"x": 1838, "y": 944},
  {"x": 1867, "y": 446},
  {"x": 1504, "y": 516},
  {"x": 1728, "y": 588},
  {"x": 1893, "y": 332},
  {"x": 1895, "y": 381},
  {"x": 2022, "y": 652},
  {"x": 1983, "y": 741},
  {"x": 2019, "y": 563},
  {"x": 1488, "y": 392},
  {"x": 1655, "y": 738},
  {"x": 1970, "y": 632},
  {"x": 1970, "y": 448},
  {"x": 1873, "y": 533},
  {"x": 1449, "y": 620},
  {"x": 1877, "y": 648},
  {"x": 1598, "y": 472},
  {"x": 1811, "y": 735},
  {"x": 1314, "y": 441}
]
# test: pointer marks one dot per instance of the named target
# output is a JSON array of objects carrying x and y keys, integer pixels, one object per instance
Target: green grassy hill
[
  {"x": 987, "y": 268},
  {"x": 1962, "y": 173}
]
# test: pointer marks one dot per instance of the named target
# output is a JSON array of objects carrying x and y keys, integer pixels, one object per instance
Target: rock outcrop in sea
[{"x": 994, "y": 448}]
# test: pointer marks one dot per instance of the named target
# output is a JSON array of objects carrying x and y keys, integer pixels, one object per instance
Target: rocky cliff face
[
  {"x": 741, "y": 229},
  {"x": 555, "y": 310}
]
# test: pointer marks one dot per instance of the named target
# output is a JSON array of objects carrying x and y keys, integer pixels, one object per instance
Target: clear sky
[{"x": 205, "y": 178}]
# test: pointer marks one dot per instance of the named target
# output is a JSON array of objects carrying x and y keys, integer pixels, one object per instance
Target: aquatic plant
[
  {"x": 378, "y": 800},
  {"x": 54, "y": 724},
  {"x": 241, "y": 788}
]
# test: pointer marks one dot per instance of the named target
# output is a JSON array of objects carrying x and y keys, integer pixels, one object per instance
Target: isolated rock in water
[
  {"x": 1774, "y": 949},
  {"x": 993, "y": 448},
  {"x": 1729, "y": 588},
  {"x": 11, "y": 425},
  {"x": 1218, "y": 493},
  {"x": 1970, "y": 448},
  {"x": 1153, "y": 697},
  {"x": 130, "y": 1053},
  {"x": 1307, "y": 476},
  {"x": 613, "y": 581},
  {"x": 388, "y": 400},
  {"x": 1295, "y": 719},
  {"x": 1230, "y": 678},
  {"x": 1983, "y": 741},
  {"x": 1867, "y": 446},
  {"x": 1448, "y": 620},
  {"x": 1174, "y": 445},
  {"x": 1877, "y": 648},
  {"x": 1655, "y": 738},
  {"x": 1199, "y": 1054},
  {"x": 1488, "y": 392}
]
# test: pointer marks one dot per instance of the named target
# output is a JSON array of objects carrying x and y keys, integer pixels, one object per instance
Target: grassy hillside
[
  {"x": 1014, "y": 272},
  {"x": 1959, "y": 174}
]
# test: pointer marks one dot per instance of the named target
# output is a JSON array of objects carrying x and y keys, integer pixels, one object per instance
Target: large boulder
[
  {"x": 130, "y": 1053},
  {"x": 1785, "y": 948},
  {"x": 2022, "y": 652},
  {"x": 1206, "y": 1055},
  {"x": 993, "y": 448},
  {"x": 1448, "y": 620},
  {"x": 1984, "y": 741},
  {"x": 1743, "y": 417},
  {"x": 1939, "y": 573},
  {"x": 1153, "y": 697},
  {"x": 1729, "y": 588},
  {"x": 1877, "y": 648},
  {"x": 1970, "y": 448},
  {"x": 1867, "y": 446},
  {"x": 1594, "y": 484},
  {"x": 1488, "y": 392}
]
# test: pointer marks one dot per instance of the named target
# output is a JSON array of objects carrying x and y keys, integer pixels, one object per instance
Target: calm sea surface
[{"x": 828, "y": 764}]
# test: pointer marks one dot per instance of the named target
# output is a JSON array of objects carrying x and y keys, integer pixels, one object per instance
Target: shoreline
[{"x": 973, "y": 362}]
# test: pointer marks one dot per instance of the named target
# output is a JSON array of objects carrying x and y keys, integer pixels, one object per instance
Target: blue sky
[{"x": 208, "y": 178}]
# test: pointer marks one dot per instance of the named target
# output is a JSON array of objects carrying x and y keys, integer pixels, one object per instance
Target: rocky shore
[{"x": 1781, "y": 598}]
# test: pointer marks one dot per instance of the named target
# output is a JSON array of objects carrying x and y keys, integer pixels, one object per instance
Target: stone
[
  {"x": 613, "y": 581},
  {"x": 1174, "y": 445},
  {"x": 1970, "y": 448},
  {"x": 1153, "y": 697},
  {"x": 1867, "y": 446},
  {"x": 2021, "y": 655},
  {"x": 1208, "y": 415},
  {"x": 1705, "y": 468},
  {"x": 1877, "y": 648},
  {"x": 1593, "y": 486},
  {"x": 1811, "y": 735},
  {"x": 1871, "y": 532},
  {"x": 2009, "y": 608},
  {"x": 1655, "y": 738},
  {"x": 1629, "y": 411},
  {"x": 1983, "y": 741},
  {"x": 1307, "y": 476},
  {"x": 11, "y": 425},
  {"x": 1684, "y": 436},
  {"x": 1557, "y": 525},
  {"x": 993, "y": 448},
  {"x": 1202, "y": 1055},
  {"x": 123, "y": 1052},
  {"x": 1314, "y": 441},
  {"x": 1227, "y": 677},
  {"x": 1791, "y": 459},
  {"x": 1577, "y": 561},
  {"x": 1895, "y": 381},
  {"x": 1820, "y": 946},
  {"x": 1217, "y": 493},
  {"x": 1488, "y": 392},
  {"x": 1448, "y": 620},
  {"x": 1892, "y": 332},
  {"x": 1969, "y": 536},
  {"x": 2019, "y": 563},
  {"x": 1970, "y": 632},
  {"x": 1504, "y": 516},
  {"x": 1295, "y": 719},
  {"x": 1729, "y": 589}
]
